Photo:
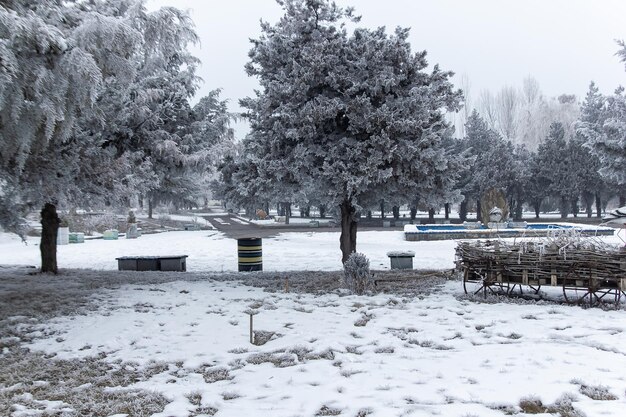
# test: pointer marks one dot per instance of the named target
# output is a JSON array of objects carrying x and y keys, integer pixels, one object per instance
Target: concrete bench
[{"x": 152, "y": 263}]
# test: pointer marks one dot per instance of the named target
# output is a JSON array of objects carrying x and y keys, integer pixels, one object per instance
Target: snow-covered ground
[
  {"x": 212, "y": 251},
  {"x": 435, "y": 354}
]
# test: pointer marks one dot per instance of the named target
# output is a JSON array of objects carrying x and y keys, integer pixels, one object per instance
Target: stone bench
[{"x": 152, "y": 263}]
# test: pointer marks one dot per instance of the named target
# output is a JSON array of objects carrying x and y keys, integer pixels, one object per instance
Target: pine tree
[
  {"x": 356, "y": 114},
  {"x": 492, "y": 156},
  {"x": 557, "y": 170}
]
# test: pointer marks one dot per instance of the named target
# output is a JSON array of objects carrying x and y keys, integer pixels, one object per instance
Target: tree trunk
[
  {"x": 463, "y": 210},
  {"x": 287, "y": 211},
  {"x": 622, "y": 200},
  {"x": 322, "y": 211},
  {"x": 382, "y": 209},
  {"x": 574, "y": 204},
  {"x": 413, "y": 212},
  {"x": 396, "y": 212},
  {"x": 368, "y": 215},
  {"x": 563, "y": 207},
  {"x": 149, "y": 208},
  {"x": 431, "y": 215},
  {"x": 479, "y": 210},
  {"x": 537, "y": 207},
  {"x": 598, "y": 206},
  {"x": 517, "y": 216},
  {"x": 446, "y": 208},
  {"x": 589, "y": 208},
  {"x": 347, "y": 239},
  {"x": 49, "y": 228}
]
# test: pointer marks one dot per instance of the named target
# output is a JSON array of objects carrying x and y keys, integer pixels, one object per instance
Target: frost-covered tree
[
  {"x": 54, "y": 66},
  {"x": 603, "y": 127},
  {"x": 556, "y": 170},
  {"x": 492, "y": 165},
  {"x": 356, "y": 115},
  {"x": 588, "y": 127}
]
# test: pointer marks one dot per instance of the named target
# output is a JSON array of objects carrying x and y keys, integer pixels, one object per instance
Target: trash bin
[{"x": 250, "y": 254}]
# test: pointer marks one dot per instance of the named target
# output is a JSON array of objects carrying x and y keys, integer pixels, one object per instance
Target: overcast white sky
[{"x": 564, "y": 44}]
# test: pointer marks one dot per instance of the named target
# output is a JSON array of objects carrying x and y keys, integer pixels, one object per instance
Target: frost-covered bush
[{"x": 356, "y": 273}]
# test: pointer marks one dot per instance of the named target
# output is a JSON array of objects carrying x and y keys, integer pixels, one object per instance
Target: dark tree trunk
[
  {"x": 589, "y": 207},
  {"x": 431, "y": 216},
  {"x": 446, "y": 208},
  {"x": 141, "y": 201},
  {"x": 479, "y": 211},
  {"x": 347, "y": 239},
  {"x": 598, "y": 206},
  {"x": 287, "y": 207},
  {"x": 368, "y": 215},
  {"x": 396, "y": 212},
  {"x": 622, "y": 200},
  {"x": 537, "y": 207},
  {"x": 463, "y": 210},
  {"x": 49, "y": 228},
  {"x": 563, "y": 207},
  {"x": 149, "y": 208},
  {"x": 322, "y": 211},
  {"x": 382, "y": 209},
  {"x": 280, "y": 209},
  {"x": 575, "y": 206},
  {"x": 413, "y": 212}
]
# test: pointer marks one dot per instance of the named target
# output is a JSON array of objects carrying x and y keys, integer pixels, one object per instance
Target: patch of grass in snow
[
  {"x": 347, "y": 373},
  {"x": 326, "y": 410},
  {"x": 230, "y": 395},
  {"x": 261, "y": 337},
  {"x": 562, "y": 407},
  {"x": 354, "y": 350},
  {"x": 81, "y": 384},
  {"x": 596, "y": 392},
  {"x": 278, "y": 359},
  {"x": 213, "y": 374},
  {"x": 365, "y": 318},
  {"x": 195, "y": 398},
  {"x": 385, "y": 349},
  {"x": 532, "y": 405}
]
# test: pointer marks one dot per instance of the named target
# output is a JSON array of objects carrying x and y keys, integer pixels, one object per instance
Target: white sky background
[{"x": 564, "y": 44}]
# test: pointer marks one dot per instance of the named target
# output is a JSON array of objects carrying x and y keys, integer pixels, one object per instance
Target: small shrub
[
  {"x": 532, "y": 405},
  {"x": 356, "y": 274}
]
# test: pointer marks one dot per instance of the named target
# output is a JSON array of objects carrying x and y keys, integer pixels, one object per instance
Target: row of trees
[{"x": 95, "y": 108}]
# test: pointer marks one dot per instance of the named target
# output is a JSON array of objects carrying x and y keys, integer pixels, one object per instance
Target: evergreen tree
[
  {"x": 492, "y": 166},
  {"x": 355, "y": 115},
  {"x": 556, "y": 170}
]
